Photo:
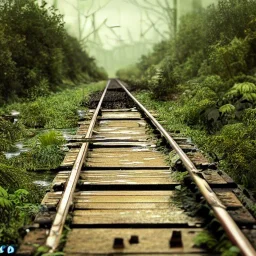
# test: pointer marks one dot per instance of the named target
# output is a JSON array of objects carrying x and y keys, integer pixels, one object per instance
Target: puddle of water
[
  {"x": 42, "y": 183},
  {"x": 15, "y": 113},
  {"x": 81, "y": 113},
  {"x": 42, "y": 179},
  {"x": 19, "y": 148},
  {"x": 10, "y": 155}
]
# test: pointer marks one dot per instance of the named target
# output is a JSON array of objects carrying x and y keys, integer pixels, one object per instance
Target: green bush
[
  {"x": 55, "y": 111},
  {"x": 229, "y": 60},
  {"x": 236, "y": 145},
  {"x": 9, "y": 133},
  {"x": 209, "y": 69},
  {"x": 45, "y": 153},
  {"x": 37, "y": 53},
  {"x": 15, "y": 212},
  {"x": 129, "y": 73}
]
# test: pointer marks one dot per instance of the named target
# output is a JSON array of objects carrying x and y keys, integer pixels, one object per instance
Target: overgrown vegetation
[
  {"x": 188, "y": 198},
  {"x": 37, "y": 54},
  {"x": 45, "y": 152},
  {"x": 57, "y": 111},
  {"x": 209, "y": 70},
  {"x": 37, "y": 59},
  {"x": 15, "y": 211}
]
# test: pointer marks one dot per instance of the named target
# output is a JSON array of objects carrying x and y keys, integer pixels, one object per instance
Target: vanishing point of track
[{"x": 119, "y": 189}]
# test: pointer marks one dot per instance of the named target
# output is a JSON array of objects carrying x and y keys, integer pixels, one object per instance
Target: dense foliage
[
  {"x": 37, "y": 54},
  {"x": 15, "y": 211},
  {"x": 57, "y": 111},
  {"x": 210, "y": 69},
  {"x": 45, "y": 152}
]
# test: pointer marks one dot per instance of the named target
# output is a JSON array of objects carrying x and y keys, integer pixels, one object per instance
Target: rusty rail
[
  {"x": 56, "y": 230},
  {"x": 231, "y": 228}
]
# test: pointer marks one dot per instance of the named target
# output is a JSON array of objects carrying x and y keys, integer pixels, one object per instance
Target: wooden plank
[
  {"x": 242, "y": 216},
  {"x": 126, "y": 193},
  {"x": 228, "y": 198},
  {"x": 124, "y": 123},
  {"x": 213, "y": 178},
  {"x": 118, "y": 163},
  {"x": 123, "y": 144},
  {"x": 121, "y": 199},
  {"x": 120, "y": 118},
  {"x": 150, "y": 215},
  {"x": 128, "y": 181},
  {"x": 83, "y": 205},
  {"x": 150, "y": 242},
  {"x": 120, "y": 115}
]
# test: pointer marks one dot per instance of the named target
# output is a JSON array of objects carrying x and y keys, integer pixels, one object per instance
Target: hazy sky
[
  {"x": 117, "y": 12},
  {"x": 129, "y": 20}
]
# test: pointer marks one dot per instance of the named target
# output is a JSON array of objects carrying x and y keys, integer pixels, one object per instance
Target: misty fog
[{"x": 117, "y": 32}]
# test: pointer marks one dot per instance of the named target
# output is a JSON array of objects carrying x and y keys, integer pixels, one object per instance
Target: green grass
[{"x": 57, "y": 110}]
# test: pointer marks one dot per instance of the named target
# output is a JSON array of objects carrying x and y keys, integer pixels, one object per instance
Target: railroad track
[{"x": 121, "y": 192}]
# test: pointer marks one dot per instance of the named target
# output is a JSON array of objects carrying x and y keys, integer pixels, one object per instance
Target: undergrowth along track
[{"x": 121, "y": 190}]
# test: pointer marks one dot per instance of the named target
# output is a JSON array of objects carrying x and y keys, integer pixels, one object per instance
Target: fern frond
[
  {"x": 5, "y": 203},
  {"x": 245, "y": 87},
  {"x": 250, "y": 96},
  {"x": 227, "y": 109}
]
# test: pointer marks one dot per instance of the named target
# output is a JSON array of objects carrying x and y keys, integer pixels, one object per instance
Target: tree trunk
[
  {"x": 175, "y": 17},
  {"x": 55, "y": 4}
]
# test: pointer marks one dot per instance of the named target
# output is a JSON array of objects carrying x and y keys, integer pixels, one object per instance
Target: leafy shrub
[
  {"x": 228, "y": 60},
  {"x": 13, "y": 177},
  {"x": 45, "y": 153},
  {"x": 129, "y": 73},
  {"x": 50, "y": 138},
  {"x": 245, "y": 91},
  {"x": 221, "y": 245},
  {"x": 55, "y": 111},
  {"x": 15, "y": 212},
  {"x": 236, "y": 144},
  {"x": 9, "y": 132},
  {"x": 210, "y": 68},
  {"x": 37, "y": 53}
]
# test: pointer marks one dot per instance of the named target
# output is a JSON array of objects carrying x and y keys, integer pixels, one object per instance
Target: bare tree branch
[
  {"x": 94, "y": 31},
  {"x": 154, "y": 26},
  {"x": 161, "y": 9},
  {"x": 112, "y": 30},
  {"x": 101, "y": 7},
  {"x": 145, "y": 7},
  {"x": 152, "y": 4},
  {"x": 149, "y": 28},
  {"x": 72, "y": 5},
  {"x": 89, "y": 9}
]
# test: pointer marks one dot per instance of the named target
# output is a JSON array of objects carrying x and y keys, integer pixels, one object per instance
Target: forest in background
[
  {"x": 205, "y": 79},
  {"x": 37, "y": 54}
]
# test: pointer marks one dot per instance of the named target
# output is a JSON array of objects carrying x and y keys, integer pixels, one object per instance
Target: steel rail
[
  {"x": 231, "y": 228},
  {"x": 57, "y": 227}
]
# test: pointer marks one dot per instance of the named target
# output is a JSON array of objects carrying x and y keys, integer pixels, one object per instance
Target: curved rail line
[{"x": 233, "y": 231}]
